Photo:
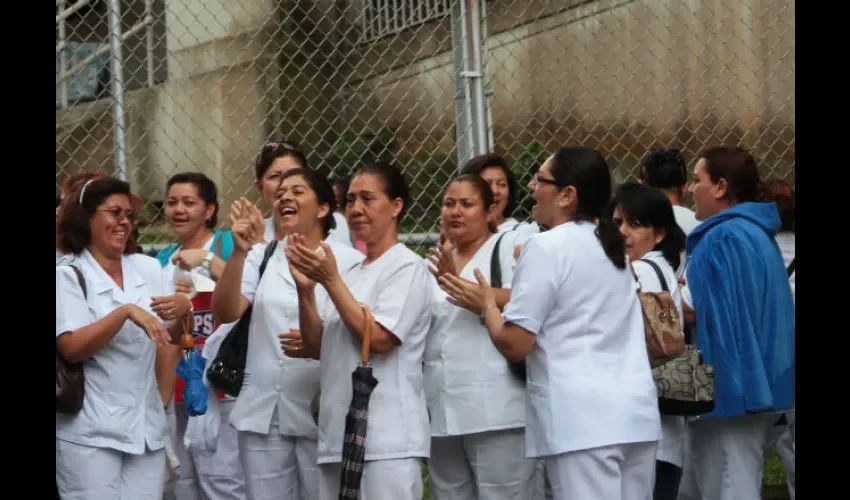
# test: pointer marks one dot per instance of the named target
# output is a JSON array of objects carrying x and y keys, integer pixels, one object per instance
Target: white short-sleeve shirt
[
  {"x": 122, "y": 409},
  {"x": 274, "y": 381},
  {"x": 589, "y": 382},
  {"x": 671, "y": 447},
  {"x": 397, "y": 289},
  {"x": 468, "y": 385},
  {"x": 522, "y": 230}
]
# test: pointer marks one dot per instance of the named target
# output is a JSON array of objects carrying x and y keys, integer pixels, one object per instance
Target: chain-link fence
[{"x": 148, "y": 88}]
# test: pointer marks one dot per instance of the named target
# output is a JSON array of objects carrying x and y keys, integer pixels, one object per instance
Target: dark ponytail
[
  {"x": 612, "y": 241},
  {"x": 586, "y": 170}
]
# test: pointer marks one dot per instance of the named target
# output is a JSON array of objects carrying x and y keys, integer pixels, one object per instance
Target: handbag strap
[
  {"x": 80, "y": 279},
  {"x": 658, "y": 273},
  {"x": 270, "y": 248},
  {"x": 791, "y": 266},
  {"x": 495, "y": 265}
]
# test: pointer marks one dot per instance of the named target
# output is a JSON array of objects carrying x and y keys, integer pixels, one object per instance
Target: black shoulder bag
[
  {"x": 70, "y": 378},
  {"x": 517, "y": 368},
  {"x": 227, "y": 370}
]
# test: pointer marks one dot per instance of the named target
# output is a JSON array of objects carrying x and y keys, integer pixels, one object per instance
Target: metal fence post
[
  {"x": 471, "y": 107},
  {"x": 119, "y": 129}
]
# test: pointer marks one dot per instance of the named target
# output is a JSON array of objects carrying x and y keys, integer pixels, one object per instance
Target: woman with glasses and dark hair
[
  {"x": 654, "y": 243},
  {"x": 573, "y": 315},
  {"x": 112, "y": 322}
]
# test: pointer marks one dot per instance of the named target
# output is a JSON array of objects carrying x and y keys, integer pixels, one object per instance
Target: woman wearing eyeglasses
[
  {"x": 75, "y": 182},
  {"x": 574, "y": 315},
  {"x": 114, "y": 447}
]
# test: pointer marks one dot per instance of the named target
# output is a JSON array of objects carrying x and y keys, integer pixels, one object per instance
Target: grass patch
[{"x": 774, "y": 471}]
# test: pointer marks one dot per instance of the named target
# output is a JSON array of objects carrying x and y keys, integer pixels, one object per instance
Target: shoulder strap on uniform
[
  {"x": 270, "y": 248},
  {"x": 658, "y": 273},
  {"x": 80, "y": 279},
  {"x": 791, "y": 266},
  {"x": 495, "y": 264}
]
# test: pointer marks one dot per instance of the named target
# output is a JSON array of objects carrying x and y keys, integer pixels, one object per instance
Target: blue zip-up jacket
[{"x": 744, "y": 309}]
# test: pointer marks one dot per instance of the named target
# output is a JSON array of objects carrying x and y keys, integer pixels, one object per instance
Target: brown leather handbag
[
  {"x": 664, "y": 338},
  {"x": 70, "y": 379}
]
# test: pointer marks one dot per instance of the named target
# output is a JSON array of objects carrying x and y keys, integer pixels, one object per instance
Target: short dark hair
[
  {"x": 395, "y": 184},
  {"x": 738, "y": 167},
  {"x": 491, "y": 160},
  {"x": 73, "y": 233},
  {"x": 324, "y": 193},
  {"x": 645, "y": 206},
  {"x": 664, "y": 169},
  {"x": 206, "y": 188},
  {"x": 274, "y": 150}
]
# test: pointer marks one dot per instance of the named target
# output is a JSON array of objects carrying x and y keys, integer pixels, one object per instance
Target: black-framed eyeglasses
[
  {"x": 119, "y": 214},
  {"x": 543, "y": 180}
]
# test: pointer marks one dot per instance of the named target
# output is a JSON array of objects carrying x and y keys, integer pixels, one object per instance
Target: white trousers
[
  {"x": 725, "y": 458},
  {"x": 203, "y": 476},
  {"x": 482, "y": 466},
  {"x": 88, "y": 473},
  {"x": 619, "y": 472},
  {"x": 278, "y": 467},
  {"x": 397, "y": 479}
]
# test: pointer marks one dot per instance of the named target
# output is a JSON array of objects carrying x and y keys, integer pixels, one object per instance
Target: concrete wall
[{"x": 620, "y": 75}]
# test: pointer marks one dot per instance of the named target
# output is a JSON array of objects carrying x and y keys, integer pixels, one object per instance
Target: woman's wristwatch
[
  {"x": 484, "y": 313},
  {"x": 207, "y": 262}
]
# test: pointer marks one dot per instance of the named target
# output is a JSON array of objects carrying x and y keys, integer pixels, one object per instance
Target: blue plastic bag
[{"x": 191, "y": 370}]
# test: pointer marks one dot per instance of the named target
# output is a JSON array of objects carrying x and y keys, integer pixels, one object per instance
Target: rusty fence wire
[{"x": 149, "y": 88}]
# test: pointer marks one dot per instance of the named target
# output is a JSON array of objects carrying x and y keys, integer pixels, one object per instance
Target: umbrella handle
[
  {"x": 367, "y": 333},
  {"x": 187, "y": 342}
]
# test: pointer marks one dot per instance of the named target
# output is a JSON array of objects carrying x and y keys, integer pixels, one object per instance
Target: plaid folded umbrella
[{"x": 354, "y": 445}]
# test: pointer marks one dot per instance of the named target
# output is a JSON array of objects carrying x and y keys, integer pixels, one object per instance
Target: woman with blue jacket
[{"x": 745, "y": 323}]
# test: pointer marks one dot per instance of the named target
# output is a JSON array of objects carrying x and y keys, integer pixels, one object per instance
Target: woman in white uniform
[
  {"x": 395, "y": 283},
  {"x": 114, "y": 447},
  {"x": 476, "y": 404},
  {"x": 277, "y": 434},
  {"x": 191, "y": 208},
  {"x": 574, "y": 314},
  {"x": 648, "y": 224}
]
